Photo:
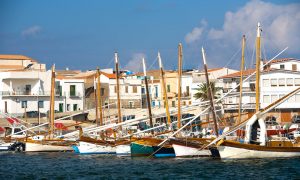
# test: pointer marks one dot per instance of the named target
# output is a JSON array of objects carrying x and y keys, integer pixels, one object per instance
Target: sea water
[{"x": 75, "y": 166}]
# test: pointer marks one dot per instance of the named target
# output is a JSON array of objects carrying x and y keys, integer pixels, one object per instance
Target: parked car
[
  {"x": 296, "y": 119},
  {"x": 34, "y": 114}
]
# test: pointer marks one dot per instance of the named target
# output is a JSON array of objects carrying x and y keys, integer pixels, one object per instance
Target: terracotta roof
[
  {"x": 214, "y": 69},
  {"x": 282, "y": 60},
  {"x": 110, "y": 76},
  {"x": 237, "y": 74},
  {"x": 15, "y": 57},
  {"x": 11, "y": 67}
]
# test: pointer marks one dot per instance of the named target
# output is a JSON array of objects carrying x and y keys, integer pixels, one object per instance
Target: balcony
[{"x": 27, "y": 93}]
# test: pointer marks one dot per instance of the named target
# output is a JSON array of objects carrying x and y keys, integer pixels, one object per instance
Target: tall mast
[
  {"x": 52, "y": 96},
  {"x": 241, "y": 77},
  {"x": 148, "y": 96},
  {"x": 179, "y": 84},
  {"x": 210, "y": 94},
  {"x": 118, "y": 88},
  {"x": 99, "y": 97},
  {"x": 258, "y": 58},
  {"x": 163, "y": 84},
  {"x": 96, "y": 102}
]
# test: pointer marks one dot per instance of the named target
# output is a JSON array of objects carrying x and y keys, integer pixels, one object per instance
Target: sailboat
[
  {"x": 40, "y": 143},
  {"x": 256, "y": 143},
  {"x": 147, "y": 146},
  {"x": 88, "y": 145},
  {"x": 192, "y": 146}
]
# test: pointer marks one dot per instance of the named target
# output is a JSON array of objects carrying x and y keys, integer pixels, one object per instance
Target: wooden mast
[
  {"x": 179, "y": 85},
  {"x": 210, "y": 94},
  {"x": 241, "y": 77},
  {"x": 163, "y": 84},
  {"x": 118, "y": 89},
  {"x": 99, "y": 97},
  {"x": 148, "y": 97},
  {"x": 96, "y": 102},
  {"x": 258, "y": 59},
  {"x": 52, "y": 96}
]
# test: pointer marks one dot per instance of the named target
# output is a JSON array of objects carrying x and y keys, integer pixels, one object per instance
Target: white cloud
[
  {"x": 196, "y": 33},
  {"x": 31, "y": 31},
  {"x": 280, "y": 25},
  {"x": 135, "y": 64}
]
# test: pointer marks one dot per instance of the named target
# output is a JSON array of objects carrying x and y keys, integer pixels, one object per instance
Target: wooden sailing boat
[
  {"x": 147, "y": 146},
  {"x": 49, "y": 143},
  {"x": 191, "y": 146},
  {"x": 256, "y": 144}
]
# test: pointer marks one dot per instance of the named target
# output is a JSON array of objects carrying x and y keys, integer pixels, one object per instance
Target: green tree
[{"x": 202, "y": 93}]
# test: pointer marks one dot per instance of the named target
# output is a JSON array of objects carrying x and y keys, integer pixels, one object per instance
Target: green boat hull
[{"x": 140, "y": 150}]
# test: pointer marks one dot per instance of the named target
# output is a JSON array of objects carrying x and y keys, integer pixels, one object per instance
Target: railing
[
  {"x": 28, "y": 93},
  {"x": 73, "y": 95}
]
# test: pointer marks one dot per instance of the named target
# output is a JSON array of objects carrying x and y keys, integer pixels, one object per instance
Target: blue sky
[{"x": 84, "y": 34}]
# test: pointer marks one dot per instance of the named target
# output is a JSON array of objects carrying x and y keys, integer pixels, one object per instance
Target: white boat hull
[
  {"x": 39, "y": 147},
  {"x": 185, "y": 151},
  {"x": 123, "y": 150},
  {"x": 227, "y": 152},
  {"x": 91, "y": 148},
  {"x": 5, "y": 146}
]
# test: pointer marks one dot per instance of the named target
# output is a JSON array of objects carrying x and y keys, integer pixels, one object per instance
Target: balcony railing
[{"x": 28, "y": 93}]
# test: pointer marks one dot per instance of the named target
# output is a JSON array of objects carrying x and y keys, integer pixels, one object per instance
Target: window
[
  {"x": 102, "y": 91},
  {"x": 168, "y": 88},
  {"x": 289, "y": 82},
  {"x": 72, "y": 90},
  {"x": 184, "y": 103},
  {"x": 294, "y": 67},
  {"x": 274, "y": 98},
  {"x": 281, "y": 66},
  {"x": 68, "y": 107},
  {"x": 126, "y": 89},
  {"x": 187, "y": 88},
  {"x": 297, "y": 81},
  {"x": 252, "y": 86},
  {"x": 281, "y": 82},
  {"x": 266, "y": 82},
  {"x": 230, "y": 100},
  {"x": 273, "y": 82},
  {"x": 156, "y": 92},
  {"x": 143, "y": 90},
  {"x": 24, "y": 104},
  {"x": 61, "y": 107},
  {"x": 41, "y": 104},
  {"x": 74, "y": 107},
  {"x": 266, "y": 99},
  {"x": 131, "y": 104},
  {"x": 173, "y": 103},
  {"x": 134, "y": 89}
]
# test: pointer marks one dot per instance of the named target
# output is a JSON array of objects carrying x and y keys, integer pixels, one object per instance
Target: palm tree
[{"x": 202, "y": 93}]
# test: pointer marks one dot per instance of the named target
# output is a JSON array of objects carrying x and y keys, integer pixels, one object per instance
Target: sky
[{"x": 82, "y": 35}]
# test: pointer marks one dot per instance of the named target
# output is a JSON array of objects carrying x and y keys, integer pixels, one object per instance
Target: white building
[
  {"x": 29, "y": 90},
  {"x": 277, "y": 79},
  {"x": 198, "y": 78}
]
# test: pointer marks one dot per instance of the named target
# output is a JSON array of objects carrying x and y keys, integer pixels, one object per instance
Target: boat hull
[
  {"x": 161, "y": 152},
  {"x": 235, "y": 150},
  {"x": 123, "y": 150},
  {"x": 91, "y": 148},
  {"x": 140, "y": 149},
  {"x": 186, "y": 151},
  {"x": 40, "y": 147}
]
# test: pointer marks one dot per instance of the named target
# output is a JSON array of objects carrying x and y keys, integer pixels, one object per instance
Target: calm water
[{"x": 72, "y": 166}]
